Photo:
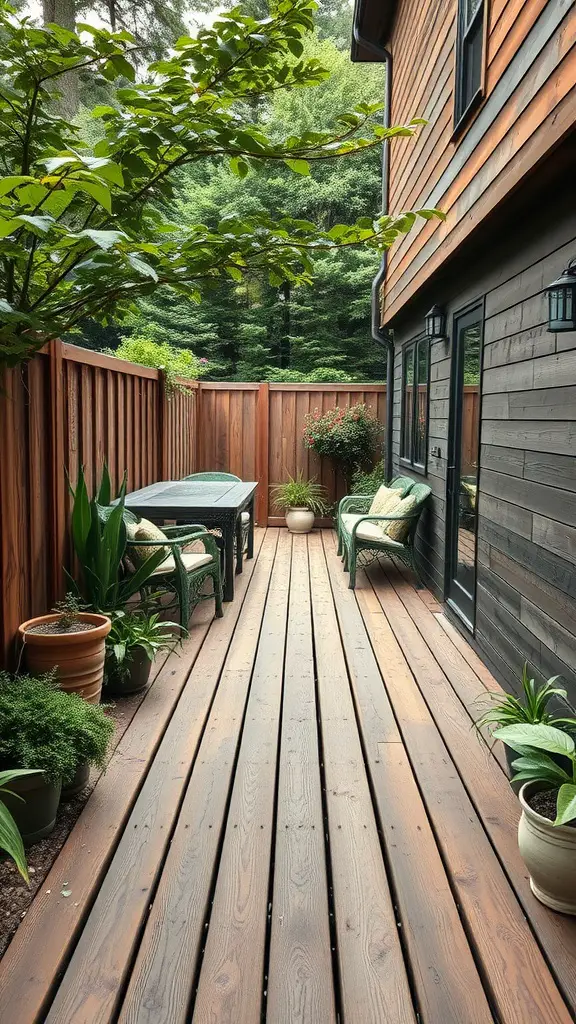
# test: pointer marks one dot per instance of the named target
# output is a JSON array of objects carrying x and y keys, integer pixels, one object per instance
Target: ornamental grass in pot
[
  {"x": 45, "y": 729},
  {"x": 135, "y": 639},
  {"x": 301, "y": 500},
  {"x": 531, "y": 708},
  {"x": 547, "y": 828}
]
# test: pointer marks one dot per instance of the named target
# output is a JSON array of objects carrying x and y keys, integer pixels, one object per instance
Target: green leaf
[
  {"x": 239, "y": 167},
  {"x": 566, "y": 804},
  {"x": 5, "y": 307},
  {"x": 543, "y": 737},
  {"x": 300, "y": 166},
  {"x": 42, "y": 224},
  {"x": 12, "y": 181},
  {"x": 295, "y": 47},
  {"x": 122, "y": 67},
  {"x": 141, "y": 267},
  {"x": 96, "y": 189},
  {"x": 103, "y": 239},
  {"x": 11, "y": 841}
]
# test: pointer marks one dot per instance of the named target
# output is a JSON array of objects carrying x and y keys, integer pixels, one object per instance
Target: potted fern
[
  {"x": 49, "y": 733},
  {"x": 301, "y": 500},
  {"x": 135, "y": 639}
]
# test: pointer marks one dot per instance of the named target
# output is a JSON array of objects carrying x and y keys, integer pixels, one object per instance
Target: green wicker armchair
[
  {"x": 182, "y": 572},
  {"x": 362, "y": 540},
  {"x": 360, "y": 503},
  {"x": 217, "y": 476}
]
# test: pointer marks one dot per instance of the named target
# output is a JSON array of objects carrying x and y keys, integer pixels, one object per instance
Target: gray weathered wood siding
[{"x": 526, "y": 608}]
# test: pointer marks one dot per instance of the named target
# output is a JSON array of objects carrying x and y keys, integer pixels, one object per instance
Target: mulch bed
[{"x": 15, "y": 896}]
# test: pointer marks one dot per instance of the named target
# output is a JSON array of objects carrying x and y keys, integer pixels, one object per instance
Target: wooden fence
[{"x": 70, "y": 407}]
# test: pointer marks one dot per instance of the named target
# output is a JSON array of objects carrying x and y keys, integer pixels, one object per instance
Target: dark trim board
[{"x": 526, "y": 572}]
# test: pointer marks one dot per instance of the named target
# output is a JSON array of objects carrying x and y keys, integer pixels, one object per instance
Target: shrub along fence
[{"x": 69, "y": 407}]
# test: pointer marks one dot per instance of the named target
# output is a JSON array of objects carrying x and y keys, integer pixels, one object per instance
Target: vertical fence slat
[
  {"x": 262, "y": 452},
  {"x": 57, "y": 527}
]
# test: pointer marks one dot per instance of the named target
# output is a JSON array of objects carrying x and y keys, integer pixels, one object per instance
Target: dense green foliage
[
  {"x": 349, "y": 436},
  {"x": 175, "y": 362},
  {"x": 86, "y": 230},
  {"x": 45, "y": 728},
  {"x": 368, "y": 482}
]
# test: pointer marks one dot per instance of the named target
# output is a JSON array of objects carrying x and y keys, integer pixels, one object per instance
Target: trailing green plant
[
  {"x": 368, "y": 483},
  {"x": 138, "y": 629},
  {"x": 532, "y": 708},
  {"x": 535, "y": 744},
  {"x": 349, "y": 436},
  {"x": 44, "y": 728},
  {"x": 300, "y": 493},
  {"x": 99, "y": 537},
  {"x": 10, "y": 838},
  {"x": 83, "y": 232}
]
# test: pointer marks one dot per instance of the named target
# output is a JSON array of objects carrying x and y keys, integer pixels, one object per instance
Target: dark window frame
[
  {"x": 466, "y": 100},
  {"x": 412, "y": 347}
]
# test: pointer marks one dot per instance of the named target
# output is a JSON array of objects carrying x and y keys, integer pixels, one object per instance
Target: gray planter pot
[
  {"x": 120, "y": 684},
  {"x": 35, "y": 815}
]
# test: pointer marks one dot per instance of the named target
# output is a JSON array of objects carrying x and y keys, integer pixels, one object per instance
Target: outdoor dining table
[{"x": 215, "y": 504}]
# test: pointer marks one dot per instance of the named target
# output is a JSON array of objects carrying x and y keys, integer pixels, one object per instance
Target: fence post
[
  {"x": 162, "y": 428},
  {"x": 262, "y": 452},
  {"x": 198, "y": 467},
  {"x": 58, "y": 486}
]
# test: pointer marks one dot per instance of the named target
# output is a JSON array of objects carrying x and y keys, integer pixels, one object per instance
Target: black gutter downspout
[{"x": 383, "y": 335}]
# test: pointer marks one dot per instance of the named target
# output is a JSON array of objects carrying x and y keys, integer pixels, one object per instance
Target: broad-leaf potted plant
[
  {"x": 10, "y": 838},
  {"x": 547, "y": 829},
  {"x": 45, "y": 729},
  {"x": 532, "y": 708},
  {"x": 71, "y": 641},
  {"x": 135, "y": 639},
  {"x": 301, "y": 500}
]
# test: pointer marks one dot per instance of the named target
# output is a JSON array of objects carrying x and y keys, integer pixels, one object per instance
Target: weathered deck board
[{"x": 313, "y": 833}]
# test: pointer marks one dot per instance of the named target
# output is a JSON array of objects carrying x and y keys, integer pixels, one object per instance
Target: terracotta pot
[
  {"x": 77, "y": 657},
  {"x": 78, "y": 783},
  {"x": 133, "y": 681},
  {"x": 299, "y": 520},
  {"x": 35, "y": 814},
  {"x": 549, "y": 853}
]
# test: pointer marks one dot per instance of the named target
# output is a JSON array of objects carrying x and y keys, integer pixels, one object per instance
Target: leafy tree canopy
[{"x": 81, "y": 230}]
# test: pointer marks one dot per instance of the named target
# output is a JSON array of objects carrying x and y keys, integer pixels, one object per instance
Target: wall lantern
[
  {"x": 562, "y": 300},
  {"x": 436, "y": 324}
]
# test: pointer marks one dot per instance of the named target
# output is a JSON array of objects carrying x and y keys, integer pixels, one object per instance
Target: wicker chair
[
  {"x": 360, "y": 503},
  {"x": 217, "y": 476},
  {"x": 182, "y": 573},
  {"x": 363, "y": 541}
]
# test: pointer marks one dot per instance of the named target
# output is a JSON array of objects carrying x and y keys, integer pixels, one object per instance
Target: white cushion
[
  {"x": 369, "y": 531},
  {"x": 245, "y": 516},
  {"x": 385, "y": 501},
  {"x": 191, "y": 561}
]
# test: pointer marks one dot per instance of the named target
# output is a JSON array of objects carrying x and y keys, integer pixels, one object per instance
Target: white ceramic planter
[
  {"x": 299, "y": 520},
  {"x": 549, "y": 854}
]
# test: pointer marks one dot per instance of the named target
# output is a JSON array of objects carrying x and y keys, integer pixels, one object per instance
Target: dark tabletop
[{"x": 169, "y": 496}]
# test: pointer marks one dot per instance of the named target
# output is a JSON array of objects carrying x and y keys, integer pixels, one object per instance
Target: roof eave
[{"x": 373, "y": 23}]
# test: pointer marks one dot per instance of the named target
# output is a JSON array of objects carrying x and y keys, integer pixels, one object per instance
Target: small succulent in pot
[
  {"x": 547, "y": 832},
  {"x": 51, "y": 732},
  {"x": 301, "y": 500},
  {"x": 135, "y": 639},
  {"x": 532, "y": 708}
]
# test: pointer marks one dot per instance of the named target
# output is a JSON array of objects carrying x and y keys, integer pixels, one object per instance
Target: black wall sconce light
[
  {"x": 562, "y": 300},
  {"x": 436, "y": 324}
]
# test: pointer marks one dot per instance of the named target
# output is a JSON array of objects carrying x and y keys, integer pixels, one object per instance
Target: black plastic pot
[
  {"x": 35, "y": 814},
  {"x": 135, "y": 680},
  {"x": 78, "y": 783}
]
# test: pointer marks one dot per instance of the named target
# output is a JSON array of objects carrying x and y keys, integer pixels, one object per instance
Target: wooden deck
[{"x": 299, "y": 826}]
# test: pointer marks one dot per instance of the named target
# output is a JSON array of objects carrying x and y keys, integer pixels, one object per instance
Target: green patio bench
[
  {"x": 182, "y": 573},
  {"x": 360, "y": 503},
  {"x": 363, "y": 540}
]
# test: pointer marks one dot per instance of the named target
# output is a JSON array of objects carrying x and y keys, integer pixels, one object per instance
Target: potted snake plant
[{"x": 301, "y": 500}]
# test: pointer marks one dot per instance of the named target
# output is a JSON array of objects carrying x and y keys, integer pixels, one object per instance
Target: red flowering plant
[{"x": 349, "y": 436}]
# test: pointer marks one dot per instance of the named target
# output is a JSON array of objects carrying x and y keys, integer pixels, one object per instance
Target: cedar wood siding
[
  {"x": 526, "y": 578},
  {"x": 528, "y": 108}
]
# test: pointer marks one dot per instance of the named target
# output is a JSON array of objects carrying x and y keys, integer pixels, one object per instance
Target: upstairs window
[
  {"x": 469, "y": 57},
  {"x": 415, "y": 384}
]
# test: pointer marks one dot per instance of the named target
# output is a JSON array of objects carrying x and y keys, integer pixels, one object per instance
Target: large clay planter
[
  {"x": 549, "y": 854},
  {"x": 121, "y": 684},
  {"x": 299, "y": 520},
  {"x": 35, "y": 814},
  {"x": 77, "y": 657}
]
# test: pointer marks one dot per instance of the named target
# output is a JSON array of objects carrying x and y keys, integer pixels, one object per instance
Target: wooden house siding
[
  {"x": 527, "y": 110},
  {"x": 526, "y": 574}
]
